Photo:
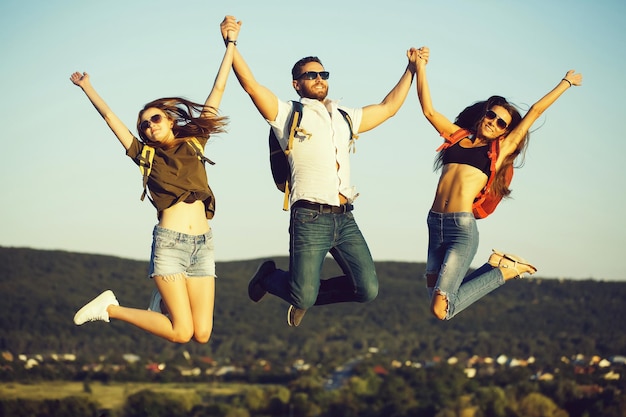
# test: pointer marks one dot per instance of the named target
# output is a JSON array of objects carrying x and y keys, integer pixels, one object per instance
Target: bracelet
[
  {"x": 568, "y": 81},
  {"x": 227, "y": 41}
]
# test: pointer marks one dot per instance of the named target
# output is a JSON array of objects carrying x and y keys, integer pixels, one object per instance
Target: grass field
[{"x": 111, "y": 396}]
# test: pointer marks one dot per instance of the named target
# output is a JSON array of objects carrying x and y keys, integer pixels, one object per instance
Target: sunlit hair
[
  {"x": 472, "y": 116},
  {"x": 296, "y": 71},
  {"x": 190, "y": 119}
]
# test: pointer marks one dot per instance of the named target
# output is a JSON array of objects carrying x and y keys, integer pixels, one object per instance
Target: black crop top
[{"x": 477, "y": 157}]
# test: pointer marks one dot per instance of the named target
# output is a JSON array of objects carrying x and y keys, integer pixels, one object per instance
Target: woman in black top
[{"x": 453, "y": 236}]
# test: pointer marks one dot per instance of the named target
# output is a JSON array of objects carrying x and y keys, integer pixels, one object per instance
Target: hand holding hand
[
  {"x": 418, "y": 57},
  {"x": 230, "y": 28},
  {"x": 423, "y": 54}
]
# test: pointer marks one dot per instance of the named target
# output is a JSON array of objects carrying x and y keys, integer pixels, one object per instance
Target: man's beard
[{"x": 315, "y": 94}]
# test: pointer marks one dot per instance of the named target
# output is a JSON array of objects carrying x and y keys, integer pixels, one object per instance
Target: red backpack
[{"x": 486, "y": 201}]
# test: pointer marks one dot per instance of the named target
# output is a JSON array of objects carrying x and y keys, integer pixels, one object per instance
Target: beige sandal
[{"x": 506, "y": 260}]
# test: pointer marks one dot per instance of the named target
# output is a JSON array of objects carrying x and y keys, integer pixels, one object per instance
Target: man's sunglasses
[
  {"x": 490, "y": 115},
  {"x": 156, "y": 119},
  {"x": 311, "y": 75}
]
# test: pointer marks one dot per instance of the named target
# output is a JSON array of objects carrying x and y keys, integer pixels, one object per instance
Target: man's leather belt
[{"x": 323, "y": 208}]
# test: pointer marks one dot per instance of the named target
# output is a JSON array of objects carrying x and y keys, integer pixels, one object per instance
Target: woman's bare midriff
[
  {"x": 458, "y": 186},
  {"x": 188, "y": 218}
]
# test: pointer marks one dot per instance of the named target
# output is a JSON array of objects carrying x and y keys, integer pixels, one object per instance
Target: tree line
[
  {"x": 540, "y": 317},
  {"x": 440, "y": 391}
]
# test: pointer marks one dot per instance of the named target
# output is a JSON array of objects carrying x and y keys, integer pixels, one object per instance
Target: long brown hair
[
  {"x": 190, "y": 118},
  {"x": 471, "y": 117}
]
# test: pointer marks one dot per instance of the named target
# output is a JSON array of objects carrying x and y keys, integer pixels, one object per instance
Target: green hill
[{"x": 545, "y": 318}]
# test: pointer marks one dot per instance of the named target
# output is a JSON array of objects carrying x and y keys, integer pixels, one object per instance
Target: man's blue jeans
[
  {"x": 312, "y": 235},
  {"x": 452, "y": 244}
]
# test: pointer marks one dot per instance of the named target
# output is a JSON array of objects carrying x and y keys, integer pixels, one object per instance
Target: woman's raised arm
[
  {"x": 570, "y": 79},
  {"x": 231, "y": 28},
  {"x": 419, "y": 58},
  {"x": 115, "y": 124}
]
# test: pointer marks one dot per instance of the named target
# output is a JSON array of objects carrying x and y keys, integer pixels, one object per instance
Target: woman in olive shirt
[{"x": 182, "y": 262}]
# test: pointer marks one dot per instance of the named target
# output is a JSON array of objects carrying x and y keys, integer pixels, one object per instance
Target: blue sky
[{"x": 68, "y": 185}]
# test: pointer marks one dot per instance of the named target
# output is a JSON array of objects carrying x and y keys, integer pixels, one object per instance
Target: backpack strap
[
  {"x": 450, "y": 140},
  {"x": 145, "y": 166},
  {"x": 197, "y": 147},
  {"x": 294, "y": 126},
  {"x": 493, "y": 155},
  {"x": 353, "y": 137},
  {"x": 147, "y": 156},
  {"x": 494, "y": 151}
]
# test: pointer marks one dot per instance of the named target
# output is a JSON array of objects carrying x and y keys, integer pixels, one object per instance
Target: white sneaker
[
  {"x": 155, "y": 301},
  {"x": 96, "y": 309}
]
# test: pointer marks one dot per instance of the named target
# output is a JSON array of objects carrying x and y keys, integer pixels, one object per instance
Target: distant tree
[
  {"x": 148, "y": 403},
  {"x": 301, "y": 406},
  {"x": 212, "y": 410},
  {"x": 65, "y": 407},
  {"x": 447, "y": 384},
  {"x": 19, "y": 408},
  {"x": 343, "y": 408},
  {"x": 365, "y": 385},
  {"x": 491, "y": 402},
  {"x": 278, "y": 403},
  {"x": 395, "y": 396},
  {"x": 87, "y": 387},
  {"x": 71, "y": 407},
  {"x": 538, "y": 405},
  {"x": 237, "y": 412},
  {"x": 462, "y": 408},
  {"x": 256, "y": 399},
  {"x": 306, "y": 383}
]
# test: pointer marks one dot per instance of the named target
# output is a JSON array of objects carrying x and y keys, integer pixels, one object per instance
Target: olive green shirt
[{"x": 177, "y": 175}]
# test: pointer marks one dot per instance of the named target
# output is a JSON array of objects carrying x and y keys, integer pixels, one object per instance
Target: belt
[{"x": 323, "y": 208}]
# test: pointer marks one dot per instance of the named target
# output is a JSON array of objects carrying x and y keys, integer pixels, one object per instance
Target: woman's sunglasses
[
  {"x": 311, "y": 75},
  {"x": 490, "y": 115},
  {"x": 156, "y": 119}
]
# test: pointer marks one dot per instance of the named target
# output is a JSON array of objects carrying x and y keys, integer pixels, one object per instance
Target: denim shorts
[{"x": 178, "y": 253}]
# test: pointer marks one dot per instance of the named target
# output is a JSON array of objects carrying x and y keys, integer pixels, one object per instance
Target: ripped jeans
[{"x": 452, "y": 245}]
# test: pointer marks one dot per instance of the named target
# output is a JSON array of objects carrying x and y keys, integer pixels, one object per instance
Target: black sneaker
[
  {"x": 295, "y": 315},
  {"x": 256, "y": 291}
]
